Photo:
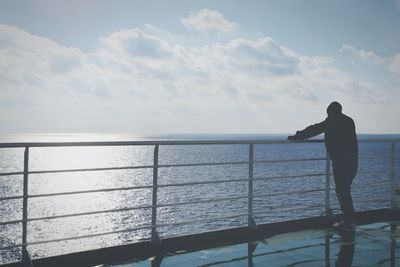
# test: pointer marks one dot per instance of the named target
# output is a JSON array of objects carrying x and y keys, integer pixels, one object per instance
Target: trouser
[{"x": 344, "y": 171}]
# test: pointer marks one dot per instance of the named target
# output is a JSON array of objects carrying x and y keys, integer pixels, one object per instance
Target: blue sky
[{"x": 157, "y": 67}]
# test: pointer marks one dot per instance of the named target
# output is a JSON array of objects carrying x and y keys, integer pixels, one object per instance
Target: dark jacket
[{"x": 340, "y": 136}]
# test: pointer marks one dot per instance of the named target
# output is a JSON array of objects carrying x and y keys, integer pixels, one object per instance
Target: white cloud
[
  {"x": 366, "y": 56},
  {"x": 208, "y": 20},
  {"x": 135, "y": 43},
  {"x": 263, "y": 56},
  {"x": 394, "y": 65},
  {"x": 391, "y": 63},
  {"x": 139, "y": 82}
]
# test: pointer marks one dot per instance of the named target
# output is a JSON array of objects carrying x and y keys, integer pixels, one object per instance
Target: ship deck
[
  {"x": 303, "y": 242},
  {"x": 374, "y": 244}
]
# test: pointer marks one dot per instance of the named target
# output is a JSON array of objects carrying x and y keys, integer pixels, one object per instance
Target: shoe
[{"x": 344, "y": 226}]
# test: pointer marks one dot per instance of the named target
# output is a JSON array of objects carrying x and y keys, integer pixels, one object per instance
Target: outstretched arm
[{"x": 309, "y": 132}]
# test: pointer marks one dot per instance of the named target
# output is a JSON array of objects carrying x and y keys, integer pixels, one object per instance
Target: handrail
[
  {"x": 155, "y": 204},
  {"x": 152, "y": 143},
  {"x": 177, "y": 142}
]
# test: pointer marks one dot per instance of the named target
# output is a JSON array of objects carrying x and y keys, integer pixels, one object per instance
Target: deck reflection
[{"x": 370, "y": 245}]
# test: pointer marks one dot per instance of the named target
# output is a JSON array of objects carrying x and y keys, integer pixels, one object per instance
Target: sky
[{"x": 170, "y": 67}]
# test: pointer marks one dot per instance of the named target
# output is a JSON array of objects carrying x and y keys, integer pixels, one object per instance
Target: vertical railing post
[
  {"x": 327, "y": 251},
  {"x": 393, "y": 204},
  {"x": 393, "y": 227},
  {"x": 25, "y": 255},
  {"x": 251, "y": 222},
  {"x": 327, "y": 185},
  {"x": 155, "y": 238}
]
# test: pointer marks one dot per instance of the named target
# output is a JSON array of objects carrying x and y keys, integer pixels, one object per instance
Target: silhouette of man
[{"x": 342, "y": 147}]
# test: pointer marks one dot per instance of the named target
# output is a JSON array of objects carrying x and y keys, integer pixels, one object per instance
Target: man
[{"x": 341, "y": 145}]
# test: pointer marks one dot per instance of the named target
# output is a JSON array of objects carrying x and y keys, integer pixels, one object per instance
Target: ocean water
[{"x": 370, "y": 188}]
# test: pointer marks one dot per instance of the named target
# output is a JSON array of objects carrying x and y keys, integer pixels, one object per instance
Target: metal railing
[{"x": 154, "y": 205}]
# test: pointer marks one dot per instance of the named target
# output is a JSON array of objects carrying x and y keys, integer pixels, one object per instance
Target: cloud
[
  {"x": 263, "y": 56},
  {"x": 366, "y": 56},
  {"x": 135, "y": 43},
  {"x": 43, "y": 74},
  {"x": 391, "y": 63},
  {"x": 208, "y": 20},
  {"x": 138, "y": 81},
  {"x": 394, "y": 65}
]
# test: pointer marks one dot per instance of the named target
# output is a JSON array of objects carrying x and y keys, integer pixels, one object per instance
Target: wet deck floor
[{"x": 374, "y": 244}]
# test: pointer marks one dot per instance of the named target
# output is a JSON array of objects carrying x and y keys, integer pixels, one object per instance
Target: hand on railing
[{"x": 295, "y": 137}]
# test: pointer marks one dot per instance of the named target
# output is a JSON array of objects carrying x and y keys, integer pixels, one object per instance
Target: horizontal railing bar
[
  {"x": 11, "y": 222},
  {"x": 175, "y": 142},
  {"x": 145, "y": 167},
  {"x": 89, "y": 213},
  {"x": 11, "y": 173},
  {"x": 78, "y": 170},
  {"x": 201, "y": 201},
  {"x": 202, "y": 164},
  {"x": 290, "y": 209},
  {"x": 375, "y": 157},
  {"x": 92, "y": 169},
  {"x": 91, "y": 191},
  {"x": 306, "y": 207},
  {"x": 202, "y": 220},
  {"x": 11, "y": 198},
  {"x": 10, "y": 247},
  {"x": 289, "y": 176},
  {"x": 287, "y": 160},
  {"x": 373, "y": 200},
  {"x": 358, "y": 186},
  {"x": 87, "y": 236},
  {"x": 355, "y": 186},
  {"x": 369, "y": 172},
  {"x": 241, "y": 180},
  {"x": 148, "y": 143},
  {"x": 203, "y": 182},
  {"x": 289, "y": 193},
  {"x": 126, "y": 188},
  {"x": 379, "y": 140},
  {"x": 306, "y": 175},
  {"x": 377, "y": 184}
]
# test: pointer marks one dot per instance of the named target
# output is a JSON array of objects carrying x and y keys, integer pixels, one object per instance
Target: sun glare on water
[{"x": 81, "y": 180}]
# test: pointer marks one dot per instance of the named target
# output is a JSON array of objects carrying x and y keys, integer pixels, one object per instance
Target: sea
[{"x": 277, "y": 193}]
